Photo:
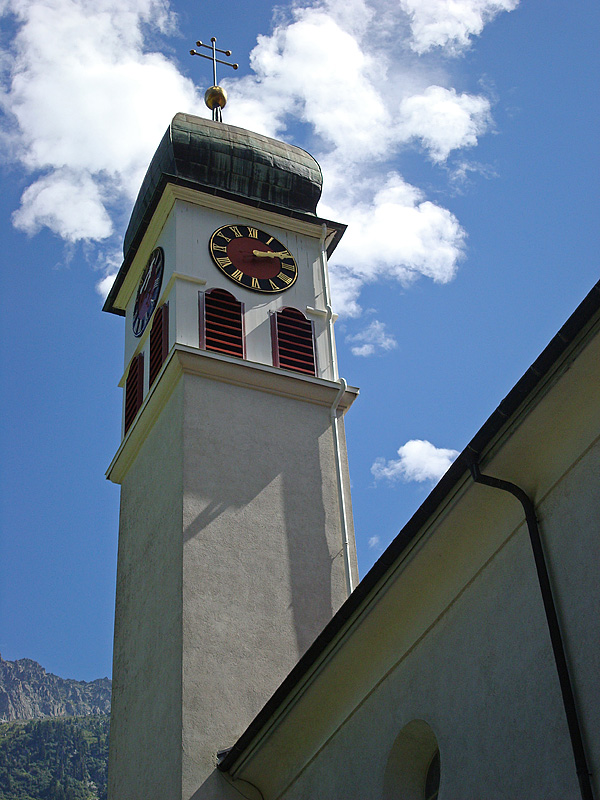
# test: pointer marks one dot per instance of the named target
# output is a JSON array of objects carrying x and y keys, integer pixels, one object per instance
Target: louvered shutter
[
  {"x": 134, "y": 389},
  {"x": 293, "y": 341},
  {"x": 159, "y": 341},
  {"x": 221, "y": 323}
]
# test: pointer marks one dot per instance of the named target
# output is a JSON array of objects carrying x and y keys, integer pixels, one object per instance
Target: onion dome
[{"x": 230, "y": 162}]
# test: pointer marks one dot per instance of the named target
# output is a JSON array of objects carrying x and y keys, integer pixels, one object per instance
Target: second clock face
[
  {"x": 253, "y": 258},
  {"x": 148, "y": 291}
]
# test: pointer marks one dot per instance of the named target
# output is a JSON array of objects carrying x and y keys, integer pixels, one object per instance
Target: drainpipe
[
  {"x": 560, "y": 658},
  {"x": 333, "y": 413},
  {"x": 340, "y": 484}
]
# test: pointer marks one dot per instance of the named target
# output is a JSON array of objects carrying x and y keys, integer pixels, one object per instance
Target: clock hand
[{"x": 270, "y": 254}]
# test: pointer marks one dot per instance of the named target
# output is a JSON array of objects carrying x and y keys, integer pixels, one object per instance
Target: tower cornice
[{"x": 184, "y": 360}]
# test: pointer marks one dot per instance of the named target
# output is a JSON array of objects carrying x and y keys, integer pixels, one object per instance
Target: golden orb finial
[{"x": 215, "y": 97}]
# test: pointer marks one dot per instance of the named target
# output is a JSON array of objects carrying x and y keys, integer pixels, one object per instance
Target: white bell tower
[{"x": 236, "y": 543}]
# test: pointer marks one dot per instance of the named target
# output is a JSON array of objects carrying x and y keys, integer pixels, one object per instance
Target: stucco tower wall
[
  {"x": 263, "y": 567},
  {"x": 145, "y": 730},
  {"x": 230, "y": 563}
]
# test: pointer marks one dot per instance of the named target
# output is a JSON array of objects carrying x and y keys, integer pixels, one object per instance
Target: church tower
[{"x": 236, "y": 543}]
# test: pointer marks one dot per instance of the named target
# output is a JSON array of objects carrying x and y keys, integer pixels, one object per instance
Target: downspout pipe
[
  {"x": 560, "y": 658},
  {"x": 340, "y": 485},
  {"x": 327, "y": 301},
  {"x": 334, "y": 414}
]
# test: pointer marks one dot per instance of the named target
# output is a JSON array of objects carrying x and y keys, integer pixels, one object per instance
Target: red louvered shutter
[
  {"x": 223, "y": 323},
  {"x": 293, "y": 341},
  {"x": 134, "y": 389},
  {"x": 159, "y": 341}
]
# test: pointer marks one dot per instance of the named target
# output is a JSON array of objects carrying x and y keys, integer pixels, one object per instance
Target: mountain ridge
[{"x": 27, "y": 692}]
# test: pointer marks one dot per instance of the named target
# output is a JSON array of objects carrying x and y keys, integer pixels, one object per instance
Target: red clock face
[
  {"x": 253, "y": 258},
  {"x": 148, "y": 291}
]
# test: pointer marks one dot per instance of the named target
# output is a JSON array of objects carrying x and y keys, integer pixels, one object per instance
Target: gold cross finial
[{"x": 215, "y": 96}]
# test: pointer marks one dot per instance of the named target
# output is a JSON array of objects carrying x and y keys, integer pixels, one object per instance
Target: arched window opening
[
  {"x": 159, "y": 341},
  {"x": 413, "y": 766},
  {"x": 293, "y": 341},
  {"x": 134, "y": 389},
  {"x": 221, "y": 323},
  {"x": 432, "y": 780}
]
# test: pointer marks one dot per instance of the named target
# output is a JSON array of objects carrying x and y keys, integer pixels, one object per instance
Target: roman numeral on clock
[{"x": 236, "y": 251}]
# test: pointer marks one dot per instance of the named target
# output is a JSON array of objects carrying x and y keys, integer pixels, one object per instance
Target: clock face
[
  {"x": 253, "y": 258},
  {"x": 148, "y": 291}
]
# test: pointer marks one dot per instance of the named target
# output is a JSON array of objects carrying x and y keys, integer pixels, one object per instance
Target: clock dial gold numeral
[{"x": 242, "y": 262}]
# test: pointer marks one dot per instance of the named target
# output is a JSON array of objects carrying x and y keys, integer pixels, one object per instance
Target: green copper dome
[{"x": 230, "y": 162}]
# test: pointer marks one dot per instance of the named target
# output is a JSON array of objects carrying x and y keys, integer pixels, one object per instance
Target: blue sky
[{"x": 459, "y": 143}]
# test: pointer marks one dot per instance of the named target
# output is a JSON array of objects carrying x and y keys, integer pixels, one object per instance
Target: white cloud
[
  {"x": 364, "y": 109},
  {"x": 88, "y": 107},
  {"x": 373, "y": 542},
  {"x": 450, "y": 23},
  {"x": 419, "y": 461},
  {"x": 395, "y": 233},
  {"x": 104, "y": 286},
  {"x": 372, "y": 339},
  {"x": 66, "y": 201},
  {"x": 326, "y": 69},
  {"x": 89, "y": 103},
  {"x": 444, "y": 120},
  {"x": 314, "y": 69}
]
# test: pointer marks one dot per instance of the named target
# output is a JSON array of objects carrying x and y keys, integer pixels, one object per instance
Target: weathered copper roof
[
  {"x": 214, "y": 157},
  {"x": 229, "y": 162}
]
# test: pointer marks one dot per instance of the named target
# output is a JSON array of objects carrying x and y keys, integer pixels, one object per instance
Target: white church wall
[
  {"x": 483, "y": 679},
  {"x": 456, "y": 635},
  {"x": 483, "y": 675},
  {"x": 570, "y": 521}
]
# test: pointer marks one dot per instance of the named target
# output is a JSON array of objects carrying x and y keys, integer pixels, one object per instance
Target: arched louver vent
[
  {"x": 134, "y": 389},
  {"x": 159, "y": 341},
  {"x": 221, "y": 323},
  {"x": 293, "y": 341}
]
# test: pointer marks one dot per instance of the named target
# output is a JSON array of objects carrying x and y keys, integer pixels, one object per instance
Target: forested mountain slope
[{"x": 54, "y": 759}]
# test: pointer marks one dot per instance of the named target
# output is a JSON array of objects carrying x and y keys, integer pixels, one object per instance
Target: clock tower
[{"x": 236, "y": 543}]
